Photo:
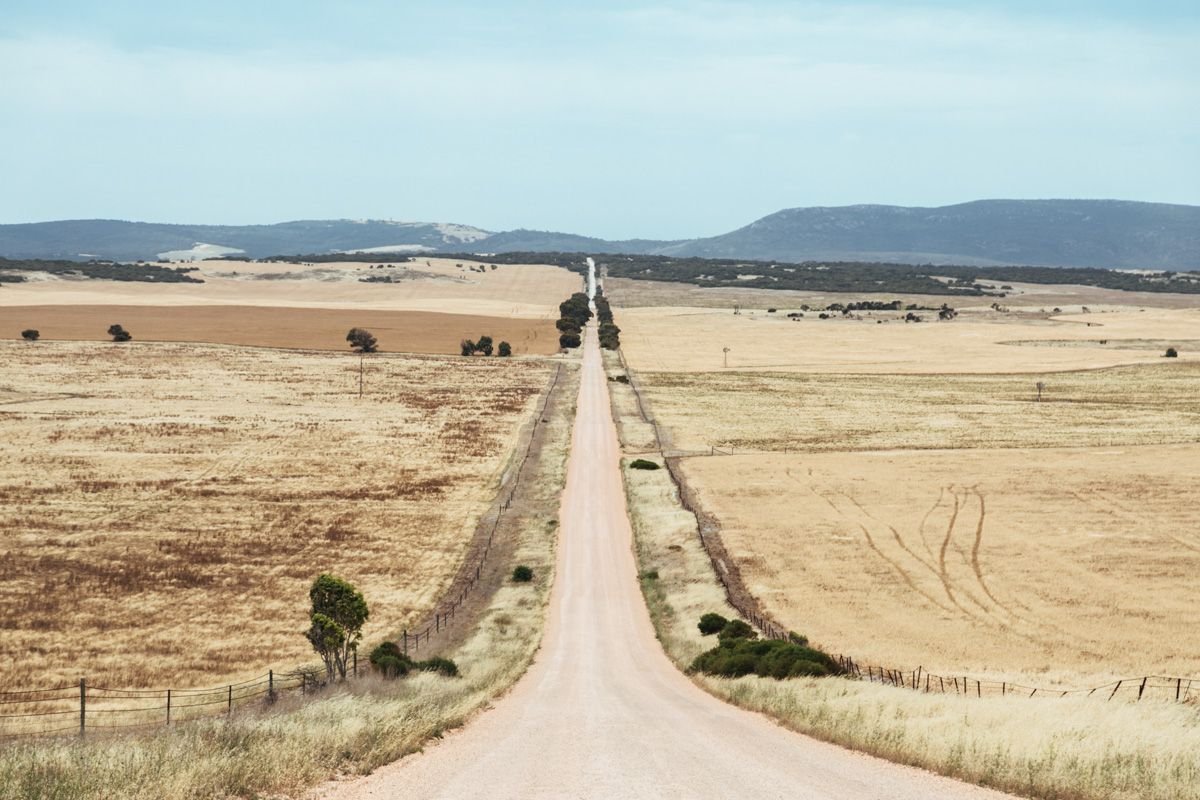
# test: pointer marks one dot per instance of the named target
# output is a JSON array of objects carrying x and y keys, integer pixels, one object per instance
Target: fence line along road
[
  {"x": 1171, "y": 688},
  {"x": 82, "y": 707}
]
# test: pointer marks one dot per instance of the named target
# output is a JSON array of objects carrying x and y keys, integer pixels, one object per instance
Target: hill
[
  {"x": 1074, "y": 233},
  {"x": 1067, "y": 233}
]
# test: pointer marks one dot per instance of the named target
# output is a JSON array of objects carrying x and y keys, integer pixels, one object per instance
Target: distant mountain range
[{"x": 1074, "y": 233}]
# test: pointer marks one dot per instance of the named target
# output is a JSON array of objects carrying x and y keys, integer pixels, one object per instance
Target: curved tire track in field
[{"x": 870, "y": 540}]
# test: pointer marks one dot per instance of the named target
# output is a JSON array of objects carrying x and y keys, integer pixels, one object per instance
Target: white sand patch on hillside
[{"x": 199, "y": 252}]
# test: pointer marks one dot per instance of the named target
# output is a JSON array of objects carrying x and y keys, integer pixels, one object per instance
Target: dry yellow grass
[
  {"x": 1151, "y": 404},
  {"x": 1044, "y": 748},
  {"x": 692, "y": 340},
  {"x": 1046, "y": 567},
  {"x": 165, "y": 506},
  {"x": 437, "y": 285}
]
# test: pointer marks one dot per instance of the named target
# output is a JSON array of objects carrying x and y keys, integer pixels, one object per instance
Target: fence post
[
  {"x": 82, "y": 705},
  {"x": 406, "y": 641},
  {"x": 1178, "y": 685},
  {"x": 1114, "y": 691},
  {"x": 168, "y": 707},
  {"x": 1142, "y": 688},
  {"x": 270, "y": 686},
  {"x": 230, "y": 709}
]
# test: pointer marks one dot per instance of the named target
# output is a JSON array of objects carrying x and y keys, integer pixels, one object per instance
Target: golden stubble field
[
  {"x": 165, "y": 506},
  {"x": 694, "y": 340},
  {"x": 1051, "y": 567},
  {"x": 440, "y": 285},
  {"x": 899, "y": 494}
]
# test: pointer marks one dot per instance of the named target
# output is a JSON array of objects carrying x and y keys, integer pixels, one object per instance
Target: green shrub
[
  {"x": 388, "y": 660},
  {"x": 522, "y": 574},
  {"x": 650, "y": 575},
  {"x": 733, "y": 658},
  {"x": 641, "y": 463},
  {"x": 1171, "y": 353},
  {"x": 711, "y": 623},
  {"x": 569, "y": 340},
  {"x": 737, "y": 629},
  {"x": 796, "y": 638},
  {"x": 30, "y": 334},
  {"x": 442, "y": 666},
  {"x": 504, "y": 350}
]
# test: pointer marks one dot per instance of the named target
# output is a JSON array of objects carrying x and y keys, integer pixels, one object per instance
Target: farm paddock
[{"x": 165, "y": 506}]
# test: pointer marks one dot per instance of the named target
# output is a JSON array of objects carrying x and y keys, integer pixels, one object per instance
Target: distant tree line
[
  {"x": 857, "y": 276},
  {"x": 103, "y": 270},
  {"x": 610, "y": 334},
  {"x": 574, "y": 313},
  {"x": 484, "y": 347}
]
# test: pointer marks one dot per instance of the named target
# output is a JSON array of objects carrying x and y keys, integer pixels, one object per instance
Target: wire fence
[
  {"x": 472, "y": 570},
  {"x": 1170, "y": 688},
  {"x": 84, "y": 707}
]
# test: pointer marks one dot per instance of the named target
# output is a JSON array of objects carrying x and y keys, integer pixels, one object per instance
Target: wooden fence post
[
  {"x": 82, "y": 706},
  {"x": 1178, "y": 685},
  {"x": 406, "y": 641},
  {"x": 230, "y": 709},
  {"x": 1114, "y": 691},
  {"x": 168, "y": 707},
  {"x": 270, "y": 686},
  {"x": 1142, "y": 688}
]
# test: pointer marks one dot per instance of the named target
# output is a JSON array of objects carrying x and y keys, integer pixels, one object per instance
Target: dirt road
[{"x": 602, "y": 713}]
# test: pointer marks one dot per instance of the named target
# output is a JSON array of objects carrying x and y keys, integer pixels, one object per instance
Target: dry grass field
[
  {"x": 899, "y": 494},
  {"x": 287, "y": 327},
  {"x": 1150, "y": 404},
  {"x": 629, "y": 293},
  {"x": 165, "y": 506},
  {"x": 1054, "y": 749},
  {"x": 693, "y": 340},
  {"x": 438, "y": 285},
  {"x": 1046, "y": 567}
]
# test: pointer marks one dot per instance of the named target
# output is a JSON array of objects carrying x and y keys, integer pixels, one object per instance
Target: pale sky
[{"x": 614, "y": 119}]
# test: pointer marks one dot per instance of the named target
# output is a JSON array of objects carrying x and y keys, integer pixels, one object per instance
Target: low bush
[
  {"x": 388, "y": 660},
  {"x": 768, "y": 658},
  {"x": 711, "y": 623},
  {"x": 641, "y": 463},
  {"x": 650, "y": 575},
  {"x": 442, "y": 666},
  {"x": 522, "y": 574},
  {"x": 569, "y": 340},
  {"x": 30, "y": 335},
  {"x": 737, "y": 629},
  {"x": 1171, "y": 353}
]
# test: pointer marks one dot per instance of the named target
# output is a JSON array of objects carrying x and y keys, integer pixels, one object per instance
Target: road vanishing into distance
[{"x": 602, "y": 712}]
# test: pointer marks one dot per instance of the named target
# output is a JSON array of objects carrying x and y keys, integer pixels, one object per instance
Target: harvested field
[
  {"x": 1151, "y": 404},
  {"x": 693, "y": 340},
  {"x": 629, "y": 293},
  {"x": 1061, "y": 566},
  {"x": 165, "y": 506},
  {"x": 439, "y": 285},
  {"x": 291, "y": 327}
]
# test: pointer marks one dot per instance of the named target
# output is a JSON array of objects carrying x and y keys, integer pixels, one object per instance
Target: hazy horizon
[{"x": 616, "y": 120}]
